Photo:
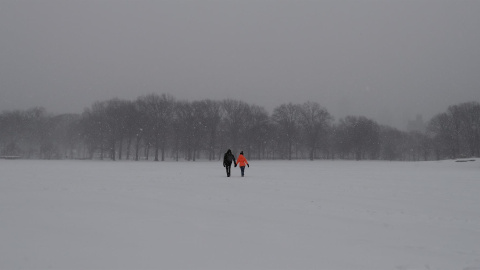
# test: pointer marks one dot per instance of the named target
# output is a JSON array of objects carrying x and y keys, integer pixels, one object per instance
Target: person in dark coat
[{"x": 228, "y": 158}]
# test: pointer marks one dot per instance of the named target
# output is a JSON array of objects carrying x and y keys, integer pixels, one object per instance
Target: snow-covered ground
[{"x": 282, "y": 215}]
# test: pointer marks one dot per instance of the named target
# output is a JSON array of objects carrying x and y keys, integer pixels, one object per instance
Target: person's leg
[
  {"x": 242, "y": 168},
  {"x": 228, "y": 170}
]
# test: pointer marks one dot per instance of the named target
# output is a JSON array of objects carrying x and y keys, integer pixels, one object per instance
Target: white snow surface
[{"x": 281, "y": 215}]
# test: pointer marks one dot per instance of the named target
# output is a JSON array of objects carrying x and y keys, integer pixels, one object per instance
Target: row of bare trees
[
  {"x": 158, "y": 127},
  {"x": 456, "y": 132}
]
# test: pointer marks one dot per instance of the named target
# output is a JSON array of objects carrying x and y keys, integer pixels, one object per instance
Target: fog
[{"x": 387, "y": 60}]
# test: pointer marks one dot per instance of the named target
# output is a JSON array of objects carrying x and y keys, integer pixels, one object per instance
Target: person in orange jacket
[{"x": 242, "y": 161}]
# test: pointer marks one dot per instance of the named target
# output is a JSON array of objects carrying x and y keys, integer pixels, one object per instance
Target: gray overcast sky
[{"x": 387, "y": 60}]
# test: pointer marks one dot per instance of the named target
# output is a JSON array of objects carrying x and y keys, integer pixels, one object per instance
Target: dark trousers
[
  {"x": 228, "y": 167},
  {"x": 242, "y": 168}
]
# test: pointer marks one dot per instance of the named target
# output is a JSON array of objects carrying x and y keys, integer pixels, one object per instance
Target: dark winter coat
[{"x": 228, "y": 158}]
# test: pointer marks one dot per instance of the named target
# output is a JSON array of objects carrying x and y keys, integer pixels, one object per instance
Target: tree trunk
[
  {"x": 120, "y": 149},
  {"x": 137, "y": 147}
]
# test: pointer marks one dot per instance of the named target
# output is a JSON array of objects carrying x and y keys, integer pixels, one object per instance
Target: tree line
[{"x": 159, "y": 127}]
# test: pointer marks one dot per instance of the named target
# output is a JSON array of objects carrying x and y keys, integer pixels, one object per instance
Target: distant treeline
[{"x": 159, "y": 127}]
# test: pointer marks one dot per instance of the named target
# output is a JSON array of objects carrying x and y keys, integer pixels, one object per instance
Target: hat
[{"x": 241, "y": 152}]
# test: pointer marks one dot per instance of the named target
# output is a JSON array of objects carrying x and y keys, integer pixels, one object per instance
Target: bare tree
[
  {"x": 444, "y": 138},
  {"x": 66, "y": 135},
  {"x": 257, "y": 135},
  {"x": 92, "y": 128},
  {"x": 213, "y": 116},
  {"x": 235, "y": 121},
  {"x": 12, "y": 128},
  {"x": 466, "y": 123},
  {"x": 456, "y": 132},
  {"x": 190, "y": 127},
  {"x": 286, "y": 117},
  {"x": 100, "y": 127},
  {"x": 360, "y": 137},
  {"x": 392, "y": 142},
  {"x": 159, "y": 113},
  {"x": 315, "y": 121}
]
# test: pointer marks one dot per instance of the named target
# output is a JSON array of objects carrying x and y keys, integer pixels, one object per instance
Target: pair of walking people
[{"x": 228, "y": 158}]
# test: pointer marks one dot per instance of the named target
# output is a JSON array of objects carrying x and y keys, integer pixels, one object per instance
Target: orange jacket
[{"x": 242, "y": 161}]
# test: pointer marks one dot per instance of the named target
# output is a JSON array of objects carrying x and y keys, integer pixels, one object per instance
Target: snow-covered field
[{"x": 282, "y": 215}]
